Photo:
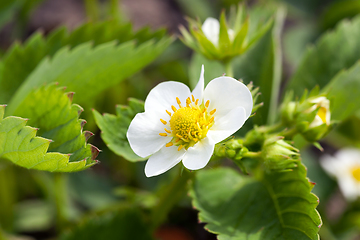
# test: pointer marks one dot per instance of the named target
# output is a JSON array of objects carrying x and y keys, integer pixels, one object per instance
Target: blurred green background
[{"x": 40, "y": 205}]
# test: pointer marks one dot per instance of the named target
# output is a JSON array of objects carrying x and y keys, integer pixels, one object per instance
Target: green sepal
[{"x": 224, "y": 39}]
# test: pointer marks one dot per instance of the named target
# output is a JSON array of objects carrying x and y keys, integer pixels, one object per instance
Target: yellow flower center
[
  {"x": 188, "y": 124},
  {"x": 356, "y": 173},
  {"x": 322, "y": 114}
]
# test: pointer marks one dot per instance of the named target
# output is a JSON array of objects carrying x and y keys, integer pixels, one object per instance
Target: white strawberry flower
[
  {"x": 323, "y": 114},
  {"x": 182, "y": 125},
  {"x": 345, "y": 166},
  {"x": 211, "y": 30}
]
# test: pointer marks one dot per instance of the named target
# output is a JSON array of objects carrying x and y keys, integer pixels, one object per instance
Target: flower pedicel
[{"x": 181, "y": 125}]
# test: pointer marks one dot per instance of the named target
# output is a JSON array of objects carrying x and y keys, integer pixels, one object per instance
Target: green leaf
[
  {"x": 20, "y": 60},
  {"x": 114, "y": 127},
  {"x": 88, "y": 71},
  {"x": 49, "y": 108},
  {"x": 333, "y": 52},
  {"x": 19, "y": 145},
  {"x": 280, "y": 206},
  {"x": 126, "y": 223},
  {"x": 343, "y": 92}
]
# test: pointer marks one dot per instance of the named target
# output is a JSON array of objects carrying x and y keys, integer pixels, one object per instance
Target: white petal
[
  {"x": 226, "y": 125},
  {"x": 164, "y": 95},
  {"x": 199, "y": 89},
  {"x": 349, "y": 187},
  {"x": 143, "y": 134},
  {"x": 316, "y": 122},
  {"x": 198, "y": 156},
  {"x": 348, "y": 156},
  {"x": 332, "y": 165},
  {"x": 226, "y": 93},
  {"x": 163, "y": 160},
  {"x": 211, "y": 29}
]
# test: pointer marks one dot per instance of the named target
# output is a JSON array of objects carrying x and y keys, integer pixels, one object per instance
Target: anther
[
  {"x": 193, "y": 98},
  {"x": 178, "y": 102},
  {"x": 169, "y": 144},
  {"x": 197, "y": 101},
  {"x": 163, "y": 134},
  {"x": 168, "y": 131},
  {"x": 163, "y": 121},
  {"x": 173, "y": 108},
  {"x": 168, "y": 112},
  {"x": 188, "y": 101},
  {"x": 211, "y": 120},
  {"x": 212, "y": 112},
  {"x": 207, "y": 103},
  {"x": 180, "y": 147}
]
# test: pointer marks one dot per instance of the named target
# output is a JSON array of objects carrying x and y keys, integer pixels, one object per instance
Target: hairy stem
[
  {"x": 229, "y": 69},
  {"x": 60, "y": 198},
  {"x": 170, "y": 196}
]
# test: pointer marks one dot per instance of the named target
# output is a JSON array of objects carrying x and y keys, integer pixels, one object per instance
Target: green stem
[
  {"x": 252, "y": 154},
  {"x": 171, "y": 195},
  {"x": 8, "y": 196},
  {"x": 229, "y": 69},
  {"x": 60, "y": 198},
  {"x": 92, "y": 10}
]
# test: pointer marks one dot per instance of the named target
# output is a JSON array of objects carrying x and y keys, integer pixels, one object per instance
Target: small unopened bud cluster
[{"x": 233, "y": 149}]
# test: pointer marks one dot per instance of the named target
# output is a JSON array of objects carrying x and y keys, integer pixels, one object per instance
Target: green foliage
[
  {"x": 279, "y": 206},
  {"x": 19, "y": 145},
  {"x": 126, "y": 223},
  {"x": 114, "y": 128},
  {"x": 333, "y": 52},
  {"x": 88, "y": 71},
  {"x": 20, "y": 60},
  {"x": 343, "y": 91},
  {"x": 49, "y": 108}
]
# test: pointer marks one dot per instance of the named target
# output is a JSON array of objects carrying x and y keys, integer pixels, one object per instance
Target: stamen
[
  {"x": 180, "y": 147},
  {"x": 188, "y": 101},
  {"x": 211, "y": 120},
  {"x": 212, "y": 112},
  {"x": 163, "y": 134},
  {"x": 168, "y": 112},
  {"x": 173, "y": 108},
  {"x": 193, "y": 98},
  {"x": 197, "y": 101},
  {"x": 178, "y": 102},
  {"x": 169, "y": 144},
  {"x": 163, "y": 121},
  {"x": 177, "y": 140},
  {"x": 207, "y": 103},
  {"x": 168, "y": 131}
]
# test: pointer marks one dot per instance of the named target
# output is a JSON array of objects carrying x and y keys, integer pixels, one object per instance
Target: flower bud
[
  {"x": 278, "y": 154},
  {"x": 217, "y": 40},
  {"x": 311, "y": 115}
]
